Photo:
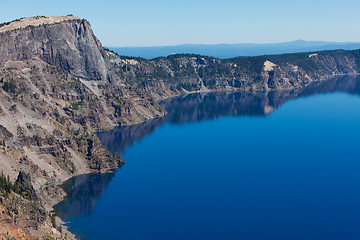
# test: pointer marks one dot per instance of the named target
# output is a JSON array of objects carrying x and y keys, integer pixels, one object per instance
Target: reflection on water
[
  {"x": 206, "y": 106},
  {"x": 84, "y": 191}
]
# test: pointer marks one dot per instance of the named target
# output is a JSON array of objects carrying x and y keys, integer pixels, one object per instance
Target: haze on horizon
[{"x": 166, "y": 23}]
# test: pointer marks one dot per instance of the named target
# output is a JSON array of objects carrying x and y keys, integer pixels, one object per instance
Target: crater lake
[{"x": 231, "y": 165}]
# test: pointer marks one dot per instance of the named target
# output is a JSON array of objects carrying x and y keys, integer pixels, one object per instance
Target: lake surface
[{"x": 280, "y": 165}]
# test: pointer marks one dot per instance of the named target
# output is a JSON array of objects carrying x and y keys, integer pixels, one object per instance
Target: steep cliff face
[
  {"x": 48, "y": 116},
  {"x": 66, "y": 42}
]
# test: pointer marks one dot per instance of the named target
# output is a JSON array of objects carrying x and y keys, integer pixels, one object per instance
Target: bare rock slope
[{"x": 67, "y": 42}]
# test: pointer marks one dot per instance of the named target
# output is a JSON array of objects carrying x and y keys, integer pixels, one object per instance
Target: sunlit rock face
[{"x": 66, "y": 42}]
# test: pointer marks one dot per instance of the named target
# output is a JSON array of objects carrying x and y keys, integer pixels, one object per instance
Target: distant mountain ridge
[{"x": 234, "y": 50}]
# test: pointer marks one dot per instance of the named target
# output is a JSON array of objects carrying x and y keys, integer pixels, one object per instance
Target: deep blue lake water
[{"x": 282, "y": 165}]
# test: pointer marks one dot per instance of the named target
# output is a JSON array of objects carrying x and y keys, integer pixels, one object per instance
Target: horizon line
[{"x": 245, "y": 43}]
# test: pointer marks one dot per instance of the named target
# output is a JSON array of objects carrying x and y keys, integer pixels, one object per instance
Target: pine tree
[{"x": 53, "y": 220}]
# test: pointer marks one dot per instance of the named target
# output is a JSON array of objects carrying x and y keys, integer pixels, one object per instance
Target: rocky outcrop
[
  {"x": 4, "y": 133},
  {"x": 25, "y": 186},
  {"x": 66, "y": 42}
]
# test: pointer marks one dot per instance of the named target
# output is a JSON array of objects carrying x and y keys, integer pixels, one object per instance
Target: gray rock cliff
[{"x": 67, "y": 42}]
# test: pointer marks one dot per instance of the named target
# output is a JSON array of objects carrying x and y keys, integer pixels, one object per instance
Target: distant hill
[{"x": 234, "y": 50}]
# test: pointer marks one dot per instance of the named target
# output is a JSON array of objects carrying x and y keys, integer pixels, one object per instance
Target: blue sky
[{"x": 160, "y": 22}]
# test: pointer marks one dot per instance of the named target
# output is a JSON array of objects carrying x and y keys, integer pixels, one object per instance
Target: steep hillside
[
  {"x": 58, "y": 86},
  {"x": 183, "y": 73},
  {"x": 67, "y": 42},
  {"x": 48, "y": 116}
]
